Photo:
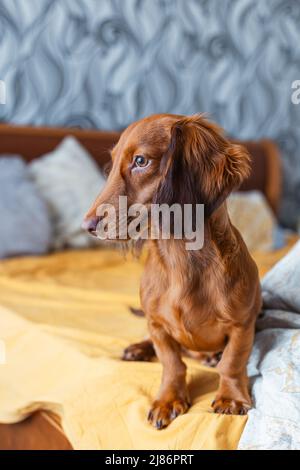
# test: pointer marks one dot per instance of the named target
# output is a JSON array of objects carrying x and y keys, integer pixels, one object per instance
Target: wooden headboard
[{"x": 33, "y": 142}]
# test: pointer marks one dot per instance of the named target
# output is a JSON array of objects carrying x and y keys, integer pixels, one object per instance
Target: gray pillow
[{"x": 24, "y": 221}]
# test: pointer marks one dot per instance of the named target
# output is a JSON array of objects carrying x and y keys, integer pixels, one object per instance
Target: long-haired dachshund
[{"x": 205, "y": 300}]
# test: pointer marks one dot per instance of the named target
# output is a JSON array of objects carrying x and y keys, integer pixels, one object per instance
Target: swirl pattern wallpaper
[{"x": 105, "y": 63}]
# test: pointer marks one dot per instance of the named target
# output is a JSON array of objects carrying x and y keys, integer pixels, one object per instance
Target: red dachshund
[{"x": 204, "y": 300}]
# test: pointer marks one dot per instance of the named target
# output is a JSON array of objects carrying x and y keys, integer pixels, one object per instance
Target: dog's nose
[{"x": 91, "y": 224}]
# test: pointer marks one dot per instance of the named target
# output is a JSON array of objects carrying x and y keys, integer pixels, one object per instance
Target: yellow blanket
[{"x": 64, "y": 320}]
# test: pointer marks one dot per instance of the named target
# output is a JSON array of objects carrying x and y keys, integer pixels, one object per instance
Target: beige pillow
[
  {"x": 69, "y": 180},
  {"x": 252, "y": 216}
]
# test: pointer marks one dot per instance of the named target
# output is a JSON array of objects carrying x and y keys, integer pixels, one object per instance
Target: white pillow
[
  {"x": 69, "y": 180},
  {"x": 252, "y": 216}
]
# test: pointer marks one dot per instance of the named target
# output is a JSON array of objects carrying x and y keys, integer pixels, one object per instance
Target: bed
[{"x": 75, "y": 306}]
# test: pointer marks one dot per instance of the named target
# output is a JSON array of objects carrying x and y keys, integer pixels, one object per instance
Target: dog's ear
[{"x": 200, "y": 165}]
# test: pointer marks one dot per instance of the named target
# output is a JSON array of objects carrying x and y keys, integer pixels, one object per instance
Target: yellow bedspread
[{"x": 64, "y": 320}]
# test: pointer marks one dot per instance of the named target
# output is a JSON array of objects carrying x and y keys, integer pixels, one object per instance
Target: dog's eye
[
  {"x": 140, "y": 161},
  {"x": 107, "y": 168}
]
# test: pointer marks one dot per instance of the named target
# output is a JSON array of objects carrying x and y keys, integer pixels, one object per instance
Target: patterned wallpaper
[{"x": 105, "y": 63}]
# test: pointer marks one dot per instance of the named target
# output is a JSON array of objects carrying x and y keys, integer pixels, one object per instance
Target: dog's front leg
[
  {"x": 172, "y": 399},
  {"x": 233, "y": 395}
]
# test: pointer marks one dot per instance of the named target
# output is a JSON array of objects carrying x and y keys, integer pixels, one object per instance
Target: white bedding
[{"x": 274, "y": 367}]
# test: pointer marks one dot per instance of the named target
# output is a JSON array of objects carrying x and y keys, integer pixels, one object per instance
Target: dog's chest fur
[{"x": 189, "y": 300}]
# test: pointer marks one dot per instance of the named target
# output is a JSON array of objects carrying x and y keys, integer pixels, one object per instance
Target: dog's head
[{"x": 167, "y": 159}]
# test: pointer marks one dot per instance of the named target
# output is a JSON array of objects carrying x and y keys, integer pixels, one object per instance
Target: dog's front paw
[
  {"x": 230, "y": 407},
  {"x": 163, "y": 412}
]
